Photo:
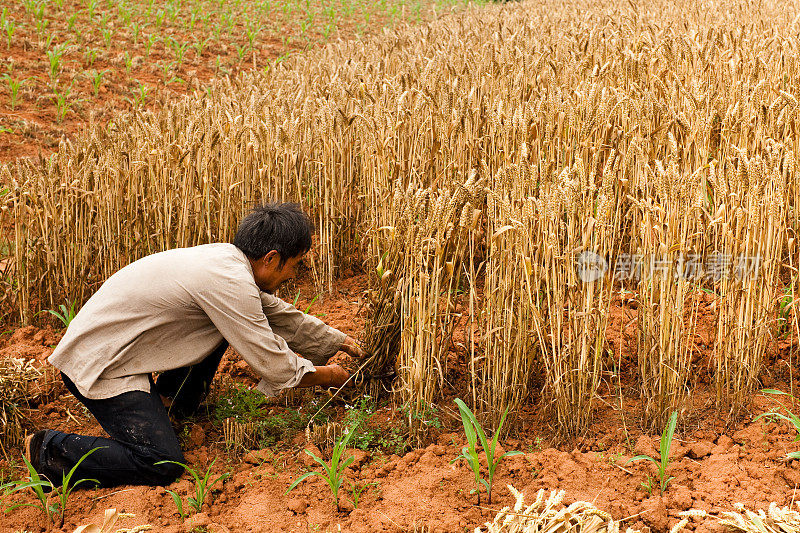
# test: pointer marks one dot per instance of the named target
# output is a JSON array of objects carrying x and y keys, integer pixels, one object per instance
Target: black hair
[{"x": 273, "y": 226}]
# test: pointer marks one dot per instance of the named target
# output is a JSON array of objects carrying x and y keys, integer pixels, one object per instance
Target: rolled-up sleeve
[
  {"x": 303, "y": 333},
  {"x": 235, "y": 308}
]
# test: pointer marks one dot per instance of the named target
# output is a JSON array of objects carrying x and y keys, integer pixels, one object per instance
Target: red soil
[{"x": 715, "y": 464}]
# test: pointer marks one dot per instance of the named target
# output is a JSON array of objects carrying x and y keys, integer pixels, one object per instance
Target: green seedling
[
  {"x": 40, "y": 486},
  {"x": 54, "y": 56},
  {"x": 41, "y": 27},
  {"x": 13, "y": 89},
  {"x": 140, "y": 96},
  {"x": 48, "y": 42},
  {"x": 128, "y": 62},
  {"x": 104, "y": 20},
  {"x": 202, "y": 487},
  {"x": 334, "y": 472},
  {"x": 308, "y": 307},
  {"x": 784, "y": 312},
  {"x": 200, "y": 46},
  {"x": 108, "y": 34},
  {"x": 71, "y": 21},
  {"x": 62, "y": 102},
  {"x": 663, "y": 463},
  {"x": 789, "y": 416},
  {"x": 9, "y": 26},
  {"x": 63, "y": 314},
  {"x": 647, "y": 485},
  {"x": 241, "y": 51},
  {"x": 252, "y": 32},
  {"x": 151, "y": 40},
  {"x": 97, "y": 80},
  {"x": 91, "y": 56},
  {"x": 160, "y": 14},
  {"x": 136, "y": 30},
  {"x": 174, "y": 79},
  {"x": 179, "y": 49},
  {"x": 469, "y": 453},
  {"x": 91, "y": 7},
  {"x": 39, "y": 11},
  {"x": 357, "y": 489},
  {"x": 166, "y": 68},
  {"x": 124, "y": 15}
]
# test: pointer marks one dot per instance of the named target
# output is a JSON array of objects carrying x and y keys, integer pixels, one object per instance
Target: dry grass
[
  {"x": 486, "y": 150},
  {"x": 22, "y": 386},
  {"x": 547, "y": 513}
]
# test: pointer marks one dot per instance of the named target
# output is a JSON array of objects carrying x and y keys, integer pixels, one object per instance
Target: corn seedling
[
  {"x": 9, "y": 27},
  {"x": 202, "y": 486},
  {"x": 251, "y": 32},
  {"x": 474, "y": 433},
  {"x": 663, "y": 463},
  {"x": 54, "y": 57},
  {"x": 64, "y": 314},
  {"x": 128, "y": 62},
  {"x": 334, "y": 472},
  {"x": 151, "y": 40},
  {"x": 13, "y": 89},
  {"x": 62, "y": 101},
  {"x": 71, "y": 21},
  {"x": 59, "y": 494},
  {"x": 167, "y": 68},
  {"x": 179, "y": 49},
  {"x": 96, "y": 77},
  {"x": 41, "y": 30},
  {"x": 140, "y": 95},
  {"x": 107, "y": 34},
  {"x": 357, "y": 489},
  {"x": 200, "y": 46},
  {"x": 789, "y": 416},
  {"x": 91, "y": 56},
  {"x": 241, "y": 50},
  {"x": 136, "y": 30}
]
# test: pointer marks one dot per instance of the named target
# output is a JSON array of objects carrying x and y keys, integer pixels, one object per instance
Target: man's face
[{"x": 270, "y": 274}]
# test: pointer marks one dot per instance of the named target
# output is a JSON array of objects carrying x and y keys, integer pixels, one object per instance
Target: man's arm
[
  {"x": 325, "y": 376},
  {"x": 305, "y": 333}
]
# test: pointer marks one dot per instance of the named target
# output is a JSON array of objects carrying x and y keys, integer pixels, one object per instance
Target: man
[{"x": 174, "y": 313}]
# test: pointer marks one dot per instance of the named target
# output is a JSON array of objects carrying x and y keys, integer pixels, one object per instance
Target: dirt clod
[
  {"x": 646, "y": 446},
  {"x": 256, "y": 457},
  {"x": 200, "y": 520},
  {"x": 306, "y": 459},
  {"x": 297, "y": 506},
  {"x": 700, "y": 449}
]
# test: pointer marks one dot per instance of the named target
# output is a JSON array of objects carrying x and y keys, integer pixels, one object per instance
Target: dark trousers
[{"x": 140, "y": 430}]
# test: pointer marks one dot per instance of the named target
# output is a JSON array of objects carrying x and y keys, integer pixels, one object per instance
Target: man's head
[{"x": 275, "y": 237}]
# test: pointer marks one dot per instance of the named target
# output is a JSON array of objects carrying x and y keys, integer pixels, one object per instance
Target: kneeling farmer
[{"x": 174, "y": 313}]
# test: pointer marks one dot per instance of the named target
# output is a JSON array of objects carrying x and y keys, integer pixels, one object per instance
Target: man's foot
[{"x": 33, "y": 447}]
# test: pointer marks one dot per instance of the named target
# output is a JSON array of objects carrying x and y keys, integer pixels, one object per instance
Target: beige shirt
[{"x": 171, "y": 309}]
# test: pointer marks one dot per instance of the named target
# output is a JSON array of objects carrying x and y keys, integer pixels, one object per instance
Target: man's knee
[
  {"x": 169, "y": 472},
  {"x": 164, "y": 468}
]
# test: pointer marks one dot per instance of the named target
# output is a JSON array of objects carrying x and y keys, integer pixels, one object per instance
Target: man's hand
[
  {"x": 337, "y": 376},
  {"x": 331, "y": 375},
  {"x": 350, "y": 346}
]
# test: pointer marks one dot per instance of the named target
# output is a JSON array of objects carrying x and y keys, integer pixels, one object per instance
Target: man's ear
[{"x": 272, "y": 255}]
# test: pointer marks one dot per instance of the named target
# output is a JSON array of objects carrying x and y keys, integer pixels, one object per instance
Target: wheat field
[{"x": 480, "y": 168}]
